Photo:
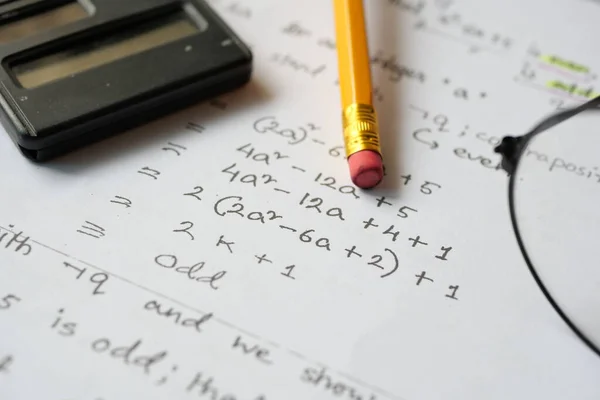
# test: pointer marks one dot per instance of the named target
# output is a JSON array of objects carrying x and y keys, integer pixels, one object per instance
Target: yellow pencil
[{"x": 359, "y": 120}]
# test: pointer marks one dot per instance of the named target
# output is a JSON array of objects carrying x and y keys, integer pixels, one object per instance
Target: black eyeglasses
[{"x": 554, "y": 199}]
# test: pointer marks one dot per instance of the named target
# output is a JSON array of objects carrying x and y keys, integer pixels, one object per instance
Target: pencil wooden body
[
  {"x": 359, "y": 120},
  {"x": 353, "y": 54}
]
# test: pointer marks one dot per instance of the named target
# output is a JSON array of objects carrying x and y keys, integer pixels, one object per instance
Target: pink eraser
[{"x": 366, "y": 168}]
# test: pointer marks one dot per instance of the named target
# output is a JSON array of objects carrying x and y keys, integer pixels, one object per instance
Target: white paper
[{"x": 80, "y": 299}]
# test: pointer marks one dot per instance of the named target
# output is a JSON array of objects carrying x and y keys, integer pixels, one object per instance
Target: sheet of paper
[{"x": 222, "y": 252}]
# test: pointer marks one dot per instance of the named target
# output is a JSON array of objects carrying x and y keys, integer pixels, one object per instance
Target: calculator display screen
[
  {"x": 40, "y": 19},
  {"x": 104, "y": 49}
]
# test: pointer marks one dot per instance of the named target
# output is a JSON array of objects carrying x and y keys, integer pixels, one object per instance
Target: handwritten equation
[{"x": 263, "y": 217}]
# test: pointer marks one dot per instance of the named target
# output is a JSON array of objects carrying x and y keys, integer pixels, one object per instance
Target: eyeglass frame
[{"x": 511, "y": 148}]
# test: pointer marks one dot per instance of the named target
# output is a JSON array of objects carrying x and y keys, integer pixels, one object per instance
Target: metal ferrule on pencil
[{"x": 361, "y": 131}]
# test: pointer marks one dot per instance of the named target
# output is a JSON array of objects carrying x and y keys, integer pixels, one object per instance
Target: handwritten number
[
  {"x": 8, "y": 301},
  {"x": 187, "y": 226},
  {"x": 426, "y": 187},
  {"x": 402, "y": 213},
  {"x": 453, "y": 290},
  {"x": 336, "y": 151},
  {"x": 445, "y": 251},
  {"x": 196, "y": 192},
  {"x": 375, "y": 261},
  {"x": 289, "y": 270}
]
